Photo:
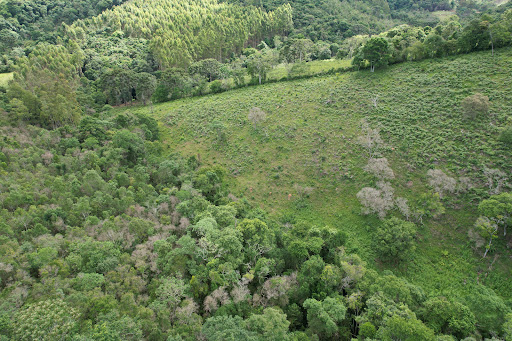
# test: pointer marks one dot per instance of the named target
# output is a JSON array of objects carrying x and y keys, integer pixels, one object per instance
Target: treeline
[
  {"x": 450, "y": 37},
  {"x": 106, "y": 236}
]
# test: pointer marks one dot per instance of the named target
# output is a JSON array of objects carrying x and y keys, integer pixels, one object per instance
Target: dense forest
[{"x": 387, "y": 136}]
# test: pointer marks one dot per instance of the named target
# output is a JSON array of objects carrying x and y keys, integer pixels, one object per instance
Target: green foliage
[
  {"x": 395, "y": 239},
  {"x": 145, "y": 244},
  {"x": 182, "y": 33},
  {"x": 226, "y": 328},
  {"x": 131, "y": 144},
  {"x": 367, "y": 330},
  {"x": 404, "y": 329},
  {"x": 375, "y": 52},
  {"x": 475, "y": 105},
  {"x": 324, "y": 317},
  {"x": 93, "y": 256},
  {"x": 447, "y": 317},
  {"x": 45, "y": 320},
  {"x": 489, "y": 309},
  {"x": 507, "y": 327},
  {"x": 271, "y": 325},
  {"x": 44, "y": 87}
]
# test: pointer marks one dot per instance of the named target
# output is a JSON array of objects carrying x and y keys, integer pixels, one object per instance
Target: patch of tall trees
[{"x": 181, "y": 32}]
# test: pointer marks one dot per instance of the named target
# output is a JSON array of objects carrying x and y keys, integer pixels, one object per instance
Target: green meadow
[{"x": 309, "y": 139}]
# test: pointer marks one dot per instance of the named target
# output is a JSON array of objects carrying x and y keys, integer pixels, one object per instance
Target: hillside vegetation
[
  {"x": 255, "y": 170},
  {"x": 309, "y": 139},
  {"x": 237, "y": 215}
]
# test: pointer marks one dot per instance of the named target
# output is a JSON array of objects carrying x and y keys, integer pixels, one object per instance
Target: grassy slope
[
  {"x": 309, "y": 139},
  {"x": 5, "y": 77}
]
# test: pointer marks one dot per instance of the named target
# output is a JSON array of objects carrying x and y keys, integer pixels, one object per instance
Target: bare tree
[
  {"x": 375, "y": 100},
  {"x": 464, "y": 184},
  {"x": 256, "y": 116},
  {"x": 380, "y": 168},
  {"x": 495, "y": 180},
  {"x": 240, "y": 292},
  {"x": 370, "y": 138},
  {"x": 441, "y": 182},
  {"x": 275, "y": 290},
  {"x": 303, "y": 191},
  {"x": 378, "y": 201},
  {"x": 403, "y": 207}
]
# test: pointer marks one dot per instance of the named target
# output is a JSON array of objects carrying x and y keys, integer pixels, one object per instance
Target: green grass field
[
  {"x": 309, "y": 139},
  {"x": 441, "y": 15},
  {"x": 5, "y": 77}
]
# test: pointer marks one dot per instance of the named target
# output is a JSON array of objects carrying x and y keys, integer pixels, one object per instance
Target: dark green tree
[{"x": 376, "y": 53}]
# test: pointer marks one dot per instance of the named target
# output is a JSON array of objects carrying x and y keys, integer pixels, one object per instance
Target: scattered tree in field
[
  {"x": 506, "y": 135},
  {"x": 498, "y": 208},
  {"x": 257, "y": 116},
  {"x": 300, "y": 48},
  {"x": 375, "y": 100},
  {"x": 495, "y": 180},
  {"x": 219, "y": 130},
  {"x": 377, "y": 200},
  {"x": 394, "y": 239},
  {"x": 441, "y": 182},
  {"x": 258, "y": 64},
  {"x": 403, "y": 207},
  {"x": 475, "y": 105},
  {"x": 488, "y": 229},
  {"x": 380, "y": 168},
  {"x": 370, "y": 139},
  {"x": 495, "y": 213},
  {"x": 427, "y": 205},
  {"x": 303, "y": 192}
]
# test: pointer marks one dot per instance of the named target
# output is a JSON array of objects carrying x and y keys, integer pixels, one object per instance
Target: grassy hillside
[{"x": 309, "y": 140}]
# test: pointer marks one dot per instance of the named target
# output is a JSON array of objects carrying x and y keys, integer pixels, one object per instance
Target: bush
[
  {"x": 475, "y": 105},
  {"x": 216, "y": 86},
  {"x": 506, "y": 135}
]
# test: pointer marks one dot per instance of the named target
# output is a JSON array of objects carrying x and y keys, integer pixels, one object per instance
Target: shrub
[
  {"x": 475, "y": 105},
  {"x": 506, "y": 135},
  {"x": 256, "y": 116},
  {"x": 216, "y": 86}
]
